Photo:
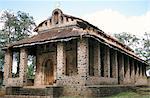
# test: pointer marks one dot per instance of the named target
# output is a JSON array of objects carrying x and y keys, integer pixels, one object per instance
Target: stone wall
[
  {"x": 72, "y": 65},
  {"x": 81, "y": 69},
  {"x": 73, "y": 91},
  {"x": 44, "y": 53},
  {"x": 22, "y": 79},
  {"x": 34, "y": 92},
  {"x": 81, "y": 91},
  {"x": 93, "y": 80}
]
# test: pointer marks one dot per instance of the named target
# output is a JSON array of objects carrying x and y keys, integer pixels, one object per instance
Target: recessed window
[
  {"x": 56, "y": 18},
  {"x": 46, "y": 23},
  {"x": 67, "y": 19}
]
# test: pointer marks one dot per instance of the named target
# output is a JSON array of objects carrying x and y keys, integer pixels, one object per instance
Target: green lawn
[{"x": 129, "y": 95}]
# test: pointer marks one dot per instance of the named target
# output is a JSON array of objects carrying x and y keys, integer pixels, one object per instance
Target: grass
[{"x": 129, "y": 94}]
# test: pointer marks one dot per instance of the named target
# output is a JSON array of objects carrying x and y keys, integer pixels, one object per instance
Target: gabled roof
[
  {"x": 62, "y": 27},
  {"x": 50, "y": 36}
]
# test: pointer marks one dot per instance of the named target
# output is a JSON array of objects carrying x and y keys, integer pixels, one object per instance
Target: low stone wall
[
  {"x": 82, "y": 91},
  {"x": 25, "y": 96},
  {"x": 49, "y": 91},
  {"x": 104, "y": 91},
  {"x": 92, "y": 80},
  {"x": 95, "y": 91}
]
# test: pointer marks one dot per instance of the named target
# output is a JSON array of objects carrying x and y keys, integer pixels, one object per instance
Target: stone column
[
  {"x": 121, "y": 68},
  {"x": 137, "y": 72},
  {"x": 132, "y": 71},
  {"x": 83, "y": 60},
  {"x": 7, "y": 66},
  {"x": 144, "y": 70},
  {"x": 23, "y": 66},
  {"x": 114, "y": 64},
  {"x": 39, "y": 70},
  {"x": 141, "y": 70},
  {"x": 127, "y": 74},
  {"x": 106, "y": 62},
  {"x": 60, "y": 62},
  {"x": 97, "y": 60}
]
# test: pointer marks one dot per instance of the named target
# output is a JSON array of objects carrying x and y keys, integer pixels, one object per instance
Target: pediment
[{"x": 58, "y": 19}]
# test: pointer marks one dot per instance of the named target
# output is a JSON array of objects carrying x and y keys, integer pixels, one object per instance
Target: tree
[
  {"x": 128, "y": 39},
  {"x": 31, "y": 67},
  {"x": 30, "y": 73},
  {"x": 146, "y": 46},
  {"x": 141, "y": 45},
  {"x": 8, "y": 19},
  {"x": 16, "y": 27}
]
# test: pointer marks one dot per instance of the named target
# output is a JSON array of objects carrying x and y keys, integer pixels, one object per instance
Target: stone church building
[{"x": 70, "y": 52}]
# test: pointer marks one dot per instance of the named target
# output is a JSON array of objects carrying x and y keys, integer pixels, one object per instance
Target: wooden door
[{"x": 49, "y": 72}]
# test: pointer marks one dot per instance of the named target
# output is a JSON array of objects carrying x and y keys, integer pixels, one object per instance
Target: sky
[{"x": 111, "y": 16}]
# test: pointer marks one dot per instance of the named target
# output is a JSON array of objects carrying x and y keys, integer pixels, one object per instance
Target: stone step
[
  {"x": 143, "y": 90},
  {"x": 48, "y": 91},
  {"x": 25, "y": 96}
]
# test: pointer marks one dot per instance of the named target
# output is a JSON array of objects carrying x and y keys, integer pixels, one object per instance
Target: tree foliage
[
  {"x": 146, "y": 46},
  {"x": 141, "y": 46},
  {"x": 31, "y": 67},
  {"x": 30, "y": 73},
  {"x": 128, "y": 39},
  {"x": 17, "y": 26}
]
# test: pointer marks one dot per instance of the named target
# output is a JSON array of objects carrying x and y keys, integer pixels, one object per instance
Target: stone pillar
[
  {"x": 23, "y": 66},
  {"x": 39, "y": 70},
  {"x": 140, "y": 80},
  {"x": 60, "y": 62},
  {"x": 97, "y": 60},
  {"x": 83, "y": 60},
  {"x": 127, "y": 74},
  {"x": 132, "y": 71},
  {"x": 106, "y": 62},
  {"x": 144, "y": 70},
  {"x": 141, "y": 70},
  {"x": 7, "y": 66},
  {"x": 114, "y": 64},
  {"x": 121, "y": 68},
  {"x": 137, "y": 72}
]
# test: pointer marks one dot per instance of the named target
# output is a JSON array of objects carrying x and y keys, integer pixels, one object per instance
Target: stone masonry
[{"x": 74, "y": 55}]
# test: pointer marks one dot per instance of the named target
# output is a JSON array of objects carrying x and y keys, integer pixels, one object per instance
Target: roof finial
[{"x": 58, "y": 4}]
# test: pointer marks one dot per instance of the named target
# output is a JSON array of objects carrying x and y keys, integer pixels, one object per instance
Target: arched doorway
[{"x": 48, "y": 72}]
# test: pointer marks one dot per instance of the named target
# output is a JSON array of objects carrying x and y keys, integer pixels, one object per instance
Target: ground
[
  {"x": 122, "y": 95},
  {"x": 141, "y": 92},
  {"x": 130, "y": 95}
]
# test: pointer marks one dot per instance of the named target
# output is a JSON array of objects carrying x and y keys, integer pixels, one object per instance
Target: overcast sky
[{"x": 112, "y": 16}]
